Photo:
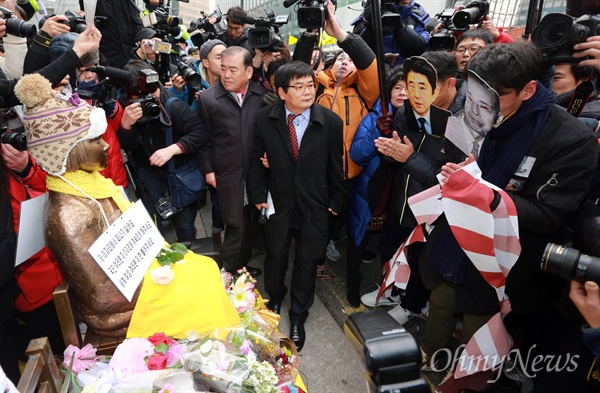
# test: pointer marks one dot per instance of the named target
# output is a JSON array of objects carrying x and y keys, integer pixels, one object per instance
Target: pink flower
[
  {"x": 130, "y": 356},
  {"x": 174, "y": 354},
  {"x": 157, "y": 361},
  {"x": 245, "y": 348},
  {"x": 168, "y": 388},
  {"x": 84, "y": 358}
]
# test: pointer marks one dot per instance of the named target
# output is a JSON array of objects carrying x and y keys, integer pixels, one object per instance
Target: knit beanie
[
  {"x": 208, "y": 46},
  {"x": 55, "y": 122}
]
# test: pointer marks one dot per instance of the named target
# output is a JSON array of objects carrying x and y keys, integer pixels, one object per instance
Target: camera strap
[
  {"x": 580, "y": 98},
  {"x": 169, "y": 132}
]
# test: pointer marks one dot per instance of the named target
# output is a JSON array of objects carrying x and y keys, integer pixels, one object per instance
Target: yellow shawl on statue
[{"x": 194, "y": 300}]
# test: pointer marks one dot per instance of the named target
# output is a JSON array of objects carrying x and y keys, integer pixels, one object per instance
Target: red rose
[
  {"x": 157, "y": 362},
  {"x": 169, "y": 341},
  {"x": 157, "y": 338}
]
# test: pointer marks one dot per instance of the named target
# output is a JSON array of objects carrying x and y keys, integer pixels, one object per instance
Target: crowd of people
[{"x": 311, "y": 142}]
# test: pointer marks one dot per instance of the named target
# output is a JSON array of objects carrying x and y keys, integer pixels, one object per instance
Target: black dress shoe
[
  {"x": 254, "y": 271},
  {"x": 298, "y": 335},
  {"x": 275, "y": 307}
]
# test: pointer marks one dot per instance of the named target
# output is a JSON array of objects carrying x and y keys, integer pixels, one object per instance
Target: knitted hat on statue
[{"x": 55, "y": 122}]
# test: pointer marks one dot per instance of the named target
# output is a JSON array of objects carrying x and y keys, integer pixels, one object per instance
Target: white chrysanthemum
[{"x": 241, "y": 297}]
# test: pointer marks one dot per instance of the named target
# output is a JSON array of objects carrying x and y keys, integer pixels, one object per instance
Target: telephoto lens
[{"x": 570, "y": 263}]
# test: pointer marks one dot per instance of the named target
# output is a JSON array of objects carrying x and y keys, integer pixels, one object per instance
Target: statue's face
[{"x": 96, "y": 157}]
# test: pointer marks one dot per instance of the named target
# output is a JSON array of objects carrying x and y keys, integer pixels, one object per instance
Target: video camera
[
  {"x": 455, "y": 19},
  {"x": 15, "y": 26},
  {"x": 391, "y": 355},
  {"x": 206, "y": 22},
  {"x": 312, "y": 14},
  {"x": 77, "y": 23},
  {"x": 209, "y": 26},
  {"x": 390, "y": 18},
  {"x": 557, "y": 33},
  {"x": 265, "y": 33},
  {"x": 570, "y": 263}
]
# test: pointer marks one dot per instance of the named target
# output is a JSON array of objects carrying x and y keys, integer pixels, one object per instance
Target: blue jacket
[{"x": 364, "y": 153}]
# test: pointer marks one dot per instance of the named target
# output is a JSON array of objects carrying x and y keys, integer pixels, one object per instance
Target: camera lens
[
  {"x": 555, "y": 30},
  {"x": 570, "y": 263},
  {"x": 466, "y": 17},
  {"x": 151, "y": 109},
  {"x": 20, "y": 28},
  {"x": 191, "y": 77},
  {"x": 18, "y": 140},
  {"x": 172, "y": 21}
]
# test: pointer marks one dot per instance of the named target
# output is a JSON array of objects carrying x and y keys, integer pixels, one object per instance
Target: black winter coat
[
  {"x": 231, "y": 128},
  {"x": 417, "y": 173},
  {"x": 566, "y": 154},
  {"x": 312, "y": 184}
]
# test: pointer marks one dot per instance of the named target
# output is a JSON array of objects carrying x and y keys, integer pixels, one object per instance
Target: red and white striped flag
[{"x": 489, "y": 239}]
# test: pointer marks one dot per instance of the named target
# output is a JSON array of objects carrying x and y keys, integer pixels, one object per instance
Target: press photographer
[
  {"x": 155, "y": 51},
  {"x": 405, "y": 28},
  {"x": 237, "y": 31},
  {"x": 143, "y": 135}
]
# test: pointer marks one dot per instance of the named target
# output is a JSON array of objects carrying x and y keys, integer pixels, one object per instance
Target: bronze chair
[{"x": 40, "y": 373}]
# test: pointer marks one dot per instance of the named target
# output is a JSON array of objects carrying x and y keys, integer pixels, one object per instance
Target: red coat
[
  {"x": 115, "y": 169},
  {"x": 39, "y": 275}
]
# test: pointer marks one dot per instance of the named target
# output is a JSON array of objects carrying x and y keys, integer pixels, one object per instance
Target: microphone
[
  {"x": 248, "y": 19},
  {"x": 111, "y": 72},
  {"x": 262, "y": 218},
  {"x": 289, "y": 3}
]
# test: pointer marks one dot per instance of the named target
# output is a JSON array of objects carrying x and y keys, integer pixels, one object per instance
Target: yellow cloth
[
  {"x": 195, "y": 299},
  {"x": 93, "y": 183}
]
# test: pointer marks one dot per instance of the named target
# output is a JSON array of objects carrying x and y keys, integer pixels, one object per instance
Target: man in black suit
[{"x": 303, "y": 143}]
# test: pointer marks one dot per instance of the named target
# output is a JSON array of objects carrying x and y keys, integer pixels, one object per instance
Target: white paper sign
[
  {"x": 31, "y": 233},
  {"x": 127, "y": 248}
]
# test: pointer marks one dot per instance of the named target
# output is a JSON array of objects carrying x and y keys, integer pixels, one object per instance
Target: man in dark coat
[
  {"x": 544, "y": 159},
  {"x": 229, "y": 109},
  {"x": 303, "y": 143}
]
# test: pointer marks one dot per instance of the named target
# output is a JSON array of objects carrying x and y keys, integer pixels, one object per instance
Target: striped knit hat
[{"x": 55, "y": 123}]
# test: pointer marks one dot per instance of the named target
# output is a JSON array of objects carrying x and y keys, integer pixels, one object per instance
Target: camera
[
  {"x": 165, "y": 209},
  {"x": 15, "y": 26},
  {"x": 473, "y": 13},
  {"x": 18, "y": 140},
  {"x": 162, "y": 21},
  {"x": 570, "y": 263},
  {"x": 106, "y": 89},
  {"x": 390, "y": 18},
  {"x": 453, "y": 19},
  {"x": 150, "y": 108},
  {"x": 206, "y": 22},
  {"x": 312, "y": 14},
  {"x": 77, "y": 24},
  {"x": 390, "y": 354},
  {"x": 189, "y": 74},
  {"x": 265, "y": 33},
  {"x": 207, "y": 27},
  {"x": 557, "y": 33}
]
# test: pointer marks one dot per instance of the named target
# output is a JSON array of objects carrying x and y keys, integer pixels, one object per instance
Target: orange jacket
[{"x": 351, "y": 100}]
